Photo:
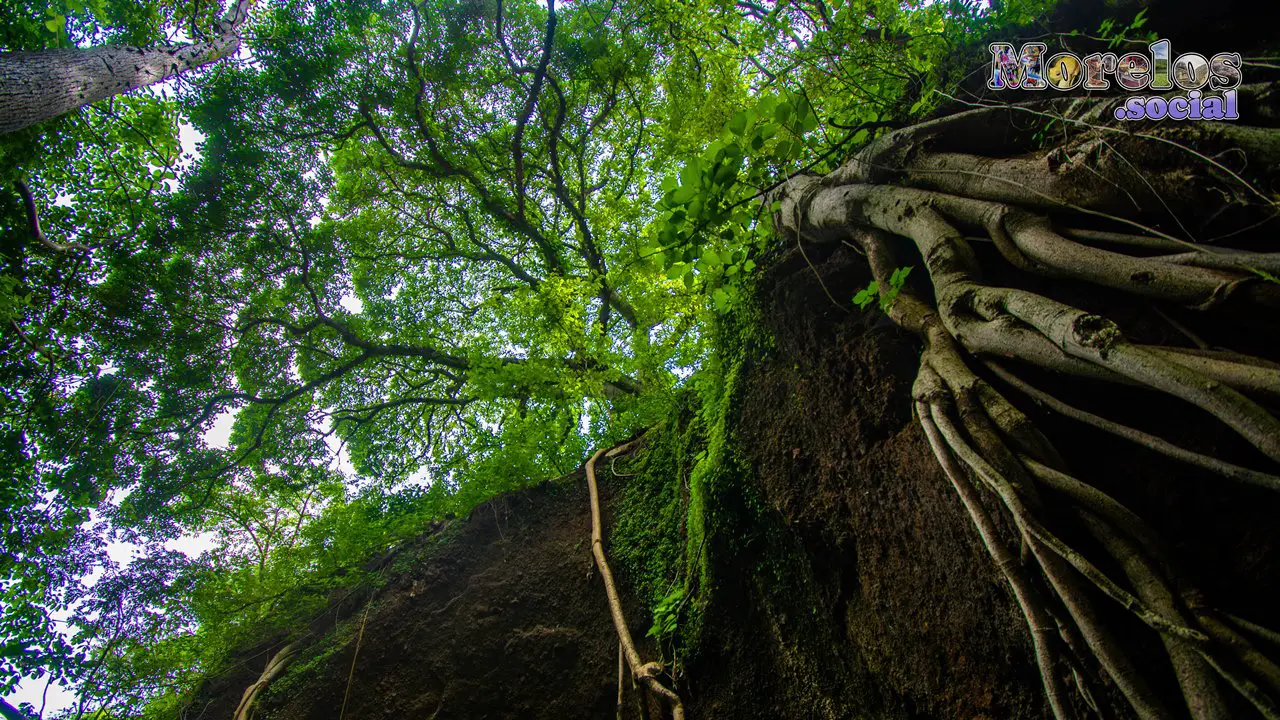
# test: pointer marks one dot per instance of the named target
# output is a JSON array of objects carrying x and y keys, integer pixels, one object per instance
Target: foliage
[
  {"x": 648, "y": 538},
  {"x": 666, "y": 615},
  {"x": 864, "y": 297},
  {"x": 1116, "y": 34}
]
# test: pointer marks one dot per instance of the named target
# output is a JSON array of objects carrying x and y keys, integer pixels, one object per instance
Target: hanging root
[
  {"x": 351, "y": 672},
  {"x": 904, "y": 189},
  {"x": 274, "y": 668},
  {"x": 1225, "y": 469},
  {"x": 622, "y": 678},
  {"x": 645, "y": 674},
  {"x": 1029, "y": 601}
]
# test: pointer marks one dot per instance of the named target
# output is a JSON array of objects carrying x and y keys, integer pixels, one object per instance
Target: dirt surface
[
  {"x": 504, "y": 617},
  {"x": 927, "y": 629}
]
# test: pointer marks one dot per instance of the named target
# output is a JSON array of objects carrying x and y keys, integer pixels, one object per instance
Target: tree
[
  {"x": 1041, "y": 205},
  {"x": 37, "y": 85},
  {"x": 488, "y": 329},
  {"x": 10, "y": 712}
]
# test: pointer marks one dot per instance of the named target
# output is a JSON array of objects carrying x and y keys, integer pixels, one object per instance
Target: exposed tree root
[
  {"x": 1264, "y": 633},
  {"x": 1226, "y": 469},
  {"x": 644, "y": 673},
  {"x": 915, "y": 186},
  {"x": 351, "y": 673},
  {"x": 274, "y": 668},
  {"x": 1029, "y": 601},
  {"x": 622, "y": 679}
]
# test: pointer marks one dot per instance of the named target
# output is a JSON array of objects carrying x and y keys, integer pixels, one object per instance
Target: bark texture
[{"x": 42, "y": 84}]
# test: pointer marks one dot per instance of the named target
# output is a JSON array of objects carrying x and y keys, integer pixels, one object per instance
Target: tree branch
[{"x": 33, "y": 220}]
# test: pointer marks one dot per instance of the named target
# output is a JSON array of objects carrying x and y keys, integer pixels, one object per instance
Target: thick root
[
  {"x": 644, "y": 673},
  {"x": 928, "y": 388},
  {"x": 275, "y": 666}
]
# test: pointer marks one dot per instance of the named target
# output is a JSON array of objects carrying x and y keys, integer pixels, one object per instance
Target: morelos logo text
[{"x": 1203, "y": 88}]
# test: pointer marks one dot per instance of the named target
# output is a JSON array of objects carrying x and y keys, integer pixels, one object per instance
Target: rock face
[
  {"x": 918, "y": 622},
  {"x": 906, "y": 614},
  {"x": 848, "y": 583},
  {"x": 503, "y": 617}
]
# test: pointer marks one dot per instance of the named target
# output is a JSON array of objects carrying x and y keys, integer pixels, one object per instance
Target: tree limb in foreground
[{"x": 39, "y": 85}]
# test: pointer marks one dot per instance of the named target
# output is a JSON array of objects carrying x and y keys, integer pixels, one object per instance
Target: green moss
[
  {"x": 312, "y": 663},
  {"x": 680, "y": 515},
  {"x": 647, "y": 541}
]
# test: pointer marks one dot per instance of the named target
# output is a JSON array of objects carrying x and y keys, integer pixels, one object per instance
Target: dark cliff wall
[
  {"x": 843, "y": 580},
  {"x": 840, "y": 577},
  {"x": 501, "y": 616}
]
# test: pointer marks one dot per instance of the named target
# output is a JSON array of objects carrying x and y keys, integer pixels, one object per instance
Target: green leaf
[
  {"x": 738, "y": 123},
  {"x": 866, "y": 296},
  {"x": 684, "y": 194},
  {"x": 57, "y": 23},
  {"x": 725, "y": 173},
  {"x": 809, "y": 122},
  {"x": 691, "y": 173},
  {"x": 721, "y": 300}
]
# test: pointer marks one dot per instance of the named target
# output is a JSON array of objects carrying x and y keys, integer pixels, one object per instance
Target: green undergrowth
[
  {"x": 701, "y": 547},
  {"x": 677, "y": 520},
  {"x": 307, "y": 611},
  {"x": 648, "y": 539},
  {"x": 314, "y": 662}
]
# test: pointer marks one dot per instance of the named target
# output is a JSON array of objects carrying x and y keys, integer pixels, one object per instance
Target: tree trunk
[
  {"x": 10, "y": 712},
  {"x": 42, "y": 84}
]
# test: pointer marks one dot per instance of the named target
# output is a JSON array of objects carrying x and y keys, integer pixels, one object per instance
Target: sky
[{"x": 57, "y": 698}]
